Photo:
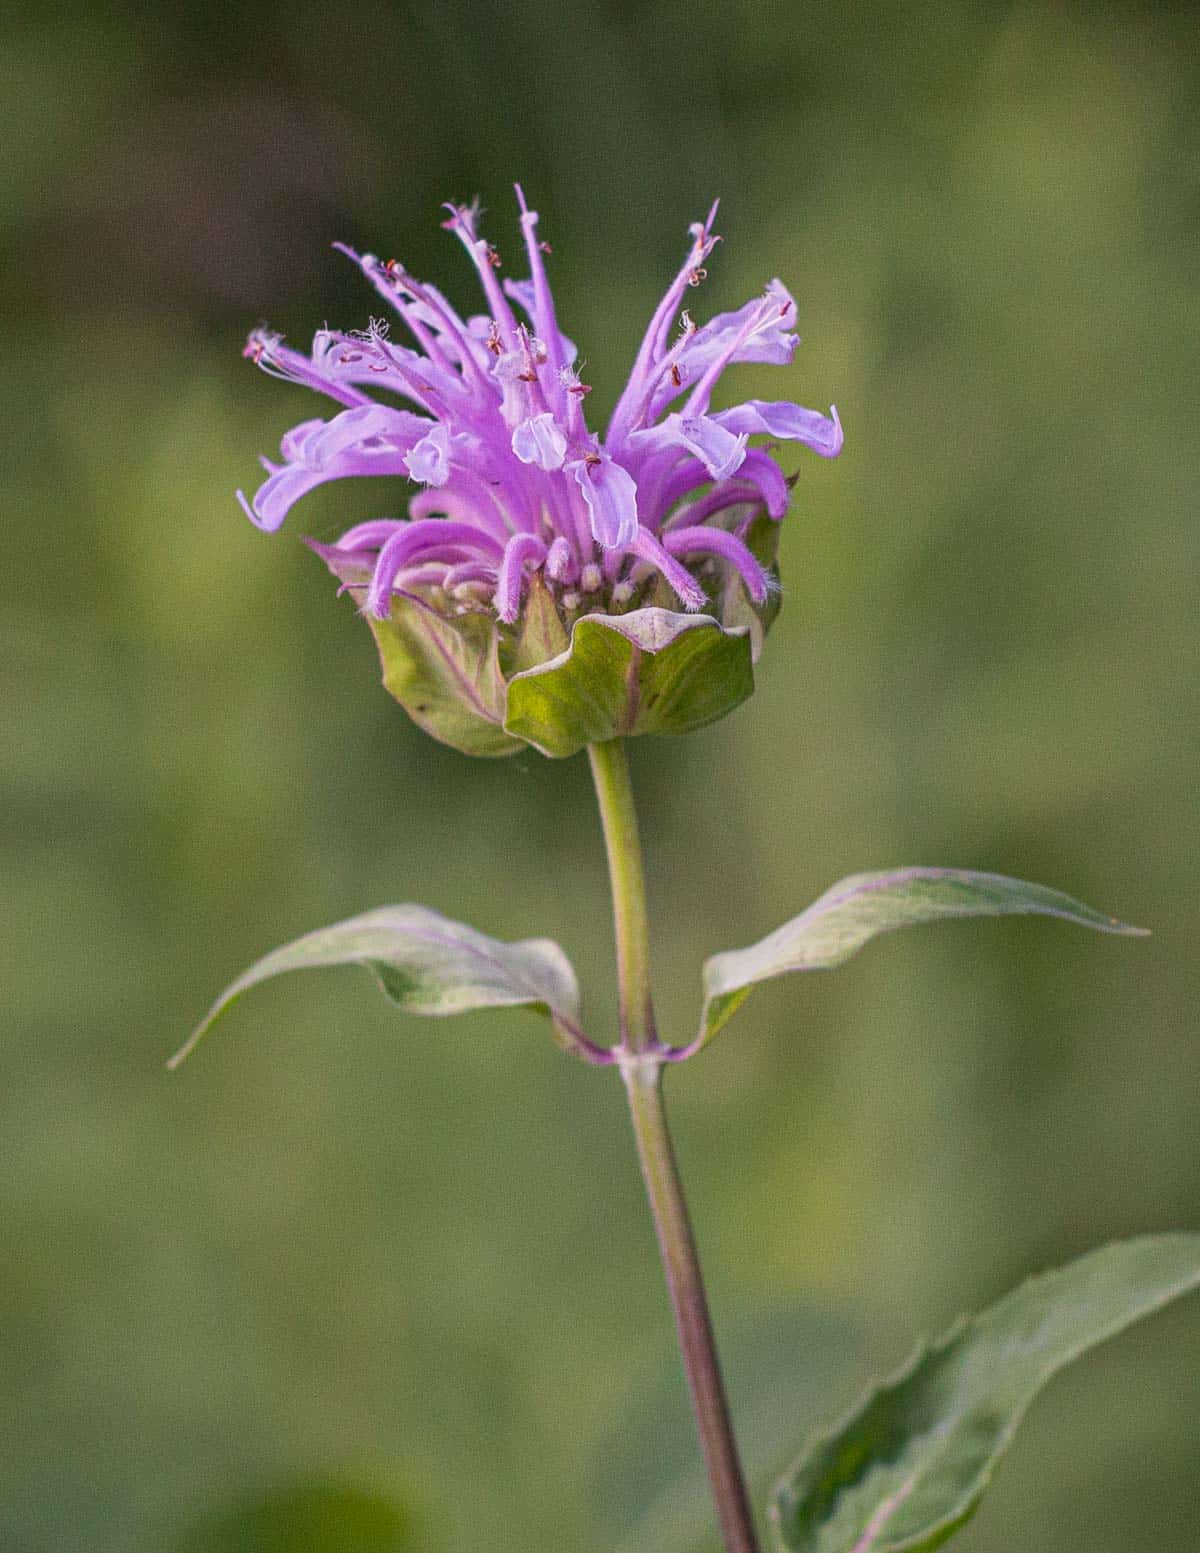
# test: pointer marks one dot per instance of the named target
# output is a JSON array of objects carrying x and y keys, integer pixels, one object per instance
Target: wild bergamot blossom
[{"x": 515, "y": 491}]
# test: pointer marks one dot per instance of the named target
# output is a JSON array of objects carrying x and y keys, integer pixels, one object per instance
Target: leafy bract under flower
[{"x": 515, "y": 499}]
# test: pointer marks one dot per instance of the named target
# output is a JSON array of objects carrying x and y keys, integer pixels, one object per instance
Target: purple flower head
[{"x": 512, "y": 488}]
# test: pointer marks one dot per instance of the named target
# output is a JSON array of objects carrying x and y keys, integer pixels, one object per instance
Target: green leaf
[
  {"x": 445, "y": 673},
  {"x": 427, "y": 964},
  {"x": 650, "y": 671},
  {"x": 540, "y": 633},
  {"x": 737, "y": 609},
  {"x": 907, "y": 1468},
  {"x": 861, "y": 907},
  {"x": 444, "y": 669}
]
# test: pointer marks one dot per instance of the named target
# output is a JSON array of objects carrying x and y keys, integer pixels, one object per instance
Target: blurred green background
[{"x": 354, "y": 1282}]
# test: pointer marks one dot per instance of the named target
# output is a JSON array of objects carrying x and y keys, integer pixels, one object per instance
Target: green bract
[{"x": 559, "y": 680}]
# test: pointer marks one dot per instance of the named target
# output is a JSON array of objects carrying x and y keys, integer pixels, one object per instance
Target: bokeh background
[{"x": 355, "y": 1282}]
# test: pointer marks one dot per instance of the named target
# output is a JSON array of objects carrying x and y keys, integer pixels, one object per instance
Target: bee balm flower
[{"x": 537, "y": 557}]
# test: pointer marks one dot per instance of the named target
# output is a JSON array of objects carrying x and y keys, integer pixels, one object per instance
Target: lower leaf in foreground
[
  {"x": 907, "y": 1468},
  {"x": 861, "y": 907},
  {"x": 427, "y": 964}
]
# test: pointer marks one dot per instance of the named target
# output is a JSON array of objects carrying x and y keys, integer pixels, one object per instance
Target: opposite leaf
[
  {"x": 865, "y": 905},
  {"x": 907, "y": 1468},
  {"x": 427, "y": 964}
]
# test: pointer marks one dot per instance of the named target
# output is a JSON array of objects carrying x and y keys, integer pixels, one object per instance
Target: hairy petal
[
  {"x": 520, "y": 549},
  {"x": 691, "y": 594},
  {"x": 561, "y": 565},
  {"x": 421, "y": 538},
  {"x": 717, "y": 541}
]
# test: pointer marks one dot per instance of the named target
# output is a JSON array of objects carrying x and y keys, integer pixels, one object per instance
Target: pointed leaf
[
  {"x": 540, "y": 633},
  {"x": 738, "y": 610},
  {"x": 444, "y": 669},
  {"x": 427, "y": 964},
  {"x": 864, "y": 905},
  {"x": 907, "y": 1468},
  {"x": 445, "y": 673},
  {"x": 650, "y": 671}
]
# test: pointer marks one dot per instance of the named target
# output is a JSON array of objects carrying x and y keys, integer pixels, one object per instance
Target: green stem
[
  {"x": 641, "y": 1066},
  {"x": 610, "y": 772}
]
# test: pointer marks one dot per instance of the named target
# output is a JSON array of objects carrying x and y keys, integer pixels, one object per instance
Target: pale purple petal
[
  {"x": 718, "y": 450},
  {"x": 539, "y": 440},
  {"x": 751, "y": 333},
  {"x": 367, "y": 430},
  {"x": 791, "y": 422},
  {"x": 611, "y": 497},
  {"x": 421, "y": 305},
  {"x": 429, "y": 460},
  {"x": 462, "y": 224},
  {"x": 267, "y": 351},
  {"x": 370, "y": 439},
  {"x": 561, "y": 565},
  {"x": 292, "y": 442},
  {"x": 278, "y": 494}
]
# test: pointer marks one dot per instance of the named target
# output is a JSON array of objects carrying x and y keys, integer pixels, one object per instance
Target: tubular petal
[
  {"x": 761, "y": 471},
  {"x": 691, "y": 594},
  {"x": 520, "y": 548},
  {"x": 561, "y": 565},
  {"x": 716, "y": 541},
  {"x": 428, "y": 535}
]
